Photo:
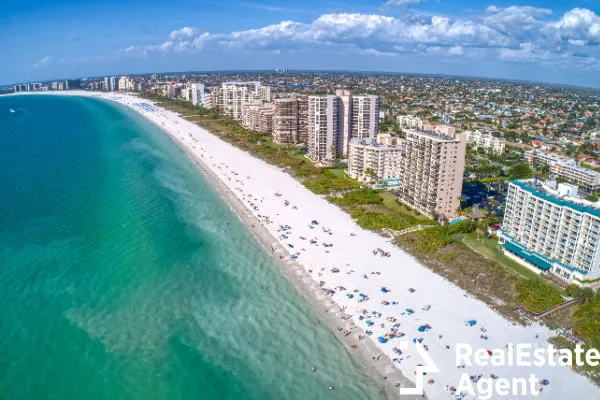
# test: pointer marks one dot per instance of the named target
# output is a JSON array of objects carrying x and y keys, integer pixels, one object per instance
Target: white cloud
[
  {"x": 455, "y": 51},
  {"x": 183, "y": 33},
  {"x": 519, "y": 33},
  {"x": 399, "y": 3},
  {"x": 43, "y": 63},
  {"x": 578, "y": 24}
]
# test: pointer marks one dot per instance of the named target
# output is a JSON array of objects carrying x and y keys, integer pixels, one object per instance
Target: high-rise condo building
[
  {"x": 290, "y": 120},
  {"x": 359, "y": 115},
  {"x": 377, "y": 161},
  {"x": 434, "y": 164},
  {"x": 236, "y": 94},
  {"x": 365, "y": 116},
  {"x": 549, "y": 228},
  {"x": 197, "y": 94},
  {"x": 325, "y": 141},
  {"x": 333, "y": 121},
  {"x": 113, "y": 84},
  {"x": 258, "y": 117}
]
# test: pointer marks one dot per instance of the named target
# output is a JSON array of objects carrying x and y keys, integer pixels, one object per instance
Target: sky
[{"x": 554, "y": 41}]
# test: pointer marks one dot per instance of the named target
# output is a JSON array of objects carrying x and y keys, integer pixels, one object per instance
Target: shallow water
[{"x": 123, "y": 275}]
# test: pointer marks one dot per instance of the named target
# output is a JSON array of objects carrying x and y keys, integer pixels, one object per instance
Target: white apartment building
[
  {"x": 567, "y": 168},
  {"x": 235, "y": 94},
  {"x": 485, "y": 141},
  {"x": 365, "y": 116},
  {"x": 378, "y": 161},
  {"x": 408, "y": 121},
  {"x": 325, "y": 139},
  {"x": 434, "y": 165},
  {"x": 125, "y": 83},
  {"x": 197, "y": 91},
  {"x": 113, "y": 84},
  {"x": 359, "y": 116},
  {"x": 548, "y": 228}
]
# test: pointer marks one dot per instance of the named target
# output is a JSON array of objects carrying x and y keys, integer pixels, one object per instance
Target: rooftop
[{"x": 564, "y": 195}]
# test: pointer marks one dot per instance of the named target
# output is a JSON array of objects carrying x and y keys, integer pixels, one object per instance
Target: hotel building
[
  {"x": 548, "y": 228},
  {"x": 587, "y": 179}
]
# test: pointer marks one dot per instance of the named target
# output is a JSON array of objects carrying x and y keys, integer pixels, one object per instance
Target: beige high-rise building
[
  {"x": 213, "y": 99},
  {"x": 263, "y": 93},
  {"x": 290, "y": 120},
  {"x": 434, "y": 164},
  {"x": 325, "y": 141},
  {"x": 258, "y": 117}
]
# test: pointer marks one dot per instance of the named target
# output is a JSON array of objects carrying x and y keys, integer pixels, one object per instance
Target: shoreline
[
  {"x": 435, "y": 300},
  {"x": 374, "y": 363}
]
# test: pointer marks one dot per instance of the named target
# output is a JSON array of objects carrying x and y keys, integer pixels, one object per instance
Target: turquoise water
[{"x": 123, "y": 275}]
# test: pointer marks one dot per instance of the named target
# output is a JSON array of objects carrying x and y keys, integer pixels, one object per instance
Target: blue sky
[{"x": 553, "y": 41}]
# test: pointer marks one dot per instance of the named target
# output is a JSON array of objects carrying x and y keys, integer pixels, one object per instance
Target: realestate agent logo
[{"x": 421, "y": 370}]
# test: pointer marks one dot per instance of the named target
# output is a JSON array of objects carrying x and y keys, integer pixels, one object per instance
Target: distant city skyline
[{"x": 553, "y": 41}]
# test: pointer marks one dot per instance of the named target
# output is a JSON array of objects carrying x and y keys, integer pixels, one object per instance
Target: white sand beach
[{"x": 344, "y": 260}]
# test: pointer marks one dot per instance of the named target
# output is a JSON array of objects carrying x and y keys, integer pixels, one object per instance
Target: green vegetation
[
  {"x": 491, "y": 249},
  {"x": 328, "y": 182},
  {"x": 520, "y": 171},
  {"x": 395, "y": 220},
  {"x": 432, "y": 239},
  {"x": 537, "y": 296},
  {"x": 587, "y": 321},
  {"x": 358, "y": 197},
  {"x": 590, "y": 371}
]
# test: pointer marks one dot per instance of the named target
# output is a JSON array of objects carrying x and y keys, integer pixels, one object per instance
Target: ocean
[{"x": 124, "y": 275}]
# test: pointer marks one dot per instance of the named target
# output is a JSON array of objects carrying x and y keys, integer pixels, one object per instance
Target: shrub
[
  {"x": 536, "y": 295},
  {"x": 587, "y": 322},
  {"x": 358, "y": 197},
  {"x": 374, "y": 220}
]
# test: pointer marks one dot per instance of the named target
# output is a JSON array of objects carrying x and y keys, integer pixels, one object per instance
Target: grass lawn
[
  {"x": 491, "y": 249},
  {"x": 391, "y": 201},
  {"x": 338, "y": 172}
]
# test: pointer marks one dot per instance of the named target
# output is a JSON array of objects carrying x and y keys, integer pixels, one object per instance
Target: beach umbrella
[{"x": 545, "y": 382}]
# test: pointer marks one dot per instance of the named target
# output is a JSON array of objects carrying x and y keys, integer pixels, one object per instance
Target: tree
[
  {"x": 370, "y": 174},
  {"x": 585, "y": 295},
  {"x": 519, "y": 171}
]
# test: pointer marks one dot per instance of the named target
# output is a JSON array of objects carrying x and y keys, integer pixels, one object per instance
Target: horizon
[
  {"x": 553, "y": 42},
  {"x": 314, "y": 71}
]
